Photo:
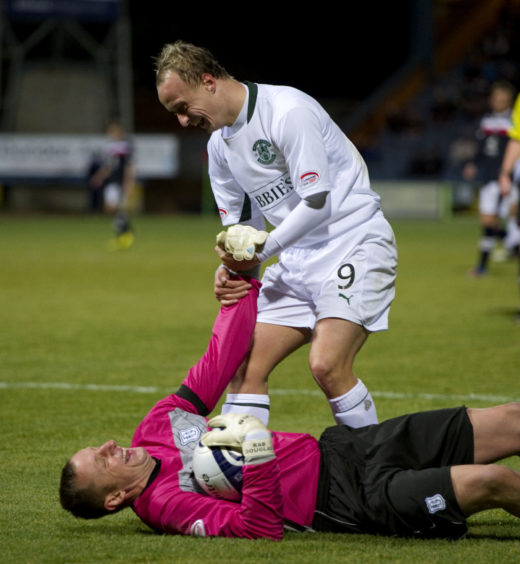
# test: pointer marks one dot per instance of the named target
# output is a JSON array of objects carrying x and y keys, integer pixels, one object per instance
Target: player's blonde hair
[{"x": 189, "y": 62}]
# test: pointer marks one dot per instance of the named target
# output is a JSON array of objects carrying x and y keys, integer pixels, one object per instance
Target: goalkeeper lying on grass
[{"x": 416, "y": 475}]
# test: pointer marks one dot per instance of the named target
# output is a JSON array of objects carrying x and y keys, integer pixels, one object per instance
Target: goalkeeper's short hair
[{"x": 81, "y": 502}]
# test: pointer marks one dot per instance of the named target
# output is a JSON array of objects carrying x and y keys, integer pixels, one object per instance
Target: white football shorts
[
  {"x": 113, "y": 195},
  {"x": 490, "y": 202},
  {"x": 309, "y": 284}
]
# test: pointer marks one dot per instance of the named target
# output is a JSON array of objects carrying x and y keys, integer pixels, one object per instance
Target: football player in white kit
[{"x": 276, "y": 155}]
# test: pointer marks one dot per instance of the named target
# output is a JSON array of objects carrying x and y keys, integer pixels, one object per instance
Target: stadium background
[
  {"x": 89, "y": 339},
  {"x": 399, "y": 79}
]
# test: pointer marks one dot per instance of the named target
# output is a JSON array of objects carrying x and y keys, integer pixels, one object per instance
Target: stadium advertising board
[
  {"x": 42, "y": 158},
  {"x": 86, "y": 10}
]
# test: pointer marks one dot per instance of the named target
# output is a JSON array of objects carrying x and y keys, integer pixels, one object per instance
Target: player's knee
[
  {"x": 325, "y": 371},
  {"x": 512, "y": 414},
  {"x": 320, "y": 366},
  {"x": 495, "y": 482},
  {"x": 513, "y": 411}
]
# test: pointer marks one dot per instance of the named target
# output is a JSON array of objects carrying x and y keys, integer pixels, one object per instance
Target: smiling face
[
  {"x": 118, "y": 474},
  {"x": 198, "y": 106}
]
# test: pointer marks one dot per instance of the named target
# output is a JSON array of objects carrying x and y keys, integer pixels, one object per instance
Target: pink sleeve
[
  {"x": 258, "y": 515},
  {"x": 229, "y": 344}
]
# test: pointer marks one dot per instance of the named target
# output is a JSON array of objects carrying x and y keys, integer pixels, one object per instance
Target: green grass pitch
[{"x": 90, "y": 339}]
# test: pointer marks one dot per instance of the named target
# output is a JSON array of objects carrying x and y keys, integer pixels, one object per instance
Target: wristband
[
  {"x": 227, "y": 268},
  {"x": 257, "y": 447},
  {"x": 257, "y": 451}
]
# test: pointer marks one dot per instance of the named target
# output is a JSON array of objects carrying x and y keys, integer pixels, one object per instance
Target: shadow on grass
[
  {"x": 488, "y": 530},
  {"x": 507, "y": 312},
  {"x": 491, "y": 537},
  {"x": 106, "y": 528}
]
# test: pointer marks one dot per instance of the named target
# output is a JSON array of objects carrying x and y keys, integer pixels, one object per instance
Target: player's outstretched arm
[
  {"x": 229, "y": 344},
  {"x": 228, "y": 288}
]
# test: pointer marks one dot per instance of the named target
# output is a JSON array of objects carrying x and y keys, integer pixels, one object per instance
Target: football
[{"x": 218, "y": 471}]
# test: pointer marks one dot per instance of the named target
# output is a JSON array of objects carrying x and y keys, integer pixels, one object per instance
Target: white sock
[
  {"x": 356, "y": 408},
  {"x": 253, "y": 404}
]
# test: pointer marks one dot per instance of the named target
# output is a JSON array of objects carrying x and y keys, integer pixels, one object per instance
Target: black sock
[{"x": 121, "y": 224}]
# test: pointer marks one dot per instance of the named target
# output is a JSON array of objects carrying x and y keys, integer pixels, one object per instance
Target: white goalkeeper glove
[
  {"x": 244, "y": 433},
  {"x": 242, "y": 241}
]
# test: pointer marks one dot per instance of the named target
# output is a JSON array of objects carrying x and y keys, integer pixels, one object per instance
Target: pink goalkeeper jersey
[{"x": 278, "y": 492}]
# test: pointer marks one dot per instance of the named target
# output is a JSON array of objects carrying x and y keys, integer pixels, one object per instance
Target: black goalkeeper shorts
[{"x": 393, "y": 478}]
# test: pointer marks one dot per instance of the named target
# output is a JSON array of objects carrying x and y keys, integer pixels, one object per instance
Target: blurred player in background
[
  {"x": 494, "y": 206},
  {"x": 510, "y": 163},
  {"x": 115, "y": 176},
  {"x": 276, "y": 155}
]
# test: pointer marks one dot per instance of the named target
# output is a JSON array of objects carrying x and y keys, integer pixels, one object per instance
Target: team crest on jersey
[
  {"x": 189, "y": 435},
  {"x": 435, "y": 503},
  {"x": 223, "y": 212},
  {"x": 264, "y": 153},
  {"x": 309, "y": 178}
]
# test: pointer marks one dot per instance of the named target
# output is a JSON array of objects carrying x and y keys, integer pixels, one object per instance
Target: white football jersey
[{"x": 289, "y": 149}]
